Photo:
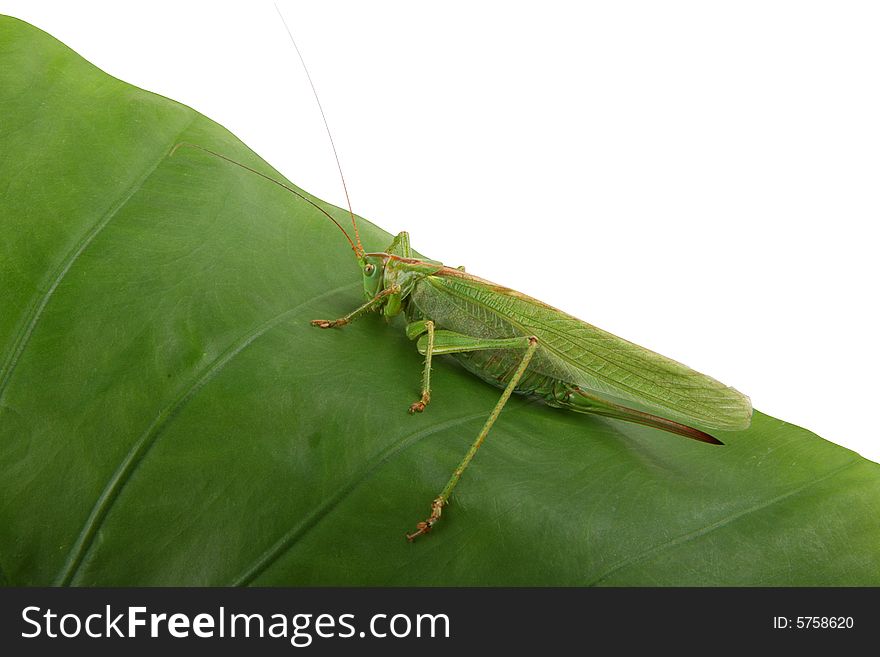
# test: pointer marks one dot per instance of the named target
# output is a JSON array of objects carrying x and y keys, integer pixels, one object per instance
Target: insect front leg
[
  {"x": 360, "y": 311},
  {"x": 450, "y": 342}
]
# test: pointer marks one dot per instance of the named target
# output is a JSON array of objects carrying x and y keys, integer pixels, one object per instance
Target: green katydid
[{"x": 522, "y": 345}]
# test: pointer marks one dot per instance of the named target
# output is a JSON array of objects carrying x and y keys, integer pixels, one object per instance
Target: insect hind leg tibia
[{"x": 443, "y": 499}]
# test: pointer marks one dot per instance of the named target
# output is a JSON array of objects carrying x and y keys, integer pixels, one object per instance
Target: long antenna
[
  {"x": 358, "y": 250},
  {"x": 326, "y": 125}
]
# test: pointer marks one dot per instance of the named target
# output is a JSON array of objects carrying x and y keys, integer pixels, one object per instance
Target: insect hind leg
[{"x": 443, "y": 499}]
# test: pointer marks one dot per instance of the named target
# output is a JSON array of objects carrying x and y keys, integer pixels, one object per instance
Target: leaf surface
[{"x": 169, "y": 417}]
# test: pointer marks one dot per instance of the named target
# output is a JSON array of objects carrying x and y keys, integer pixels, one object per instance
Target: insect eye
[{"x": 369, "y": 268}]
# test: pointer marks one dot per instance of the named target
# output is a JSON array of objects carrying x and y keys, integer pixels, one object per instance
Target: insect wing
[{"x": 600, "y": 361}]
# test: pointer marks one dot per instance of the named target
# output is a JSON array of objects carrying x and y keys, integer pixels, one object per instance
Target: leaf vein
[
  {"x": 708, "y": 529},
  {"x": 135, "y": 456},
  {"x": 293, "y": 535},
  {"x": 35, "y": 312}
]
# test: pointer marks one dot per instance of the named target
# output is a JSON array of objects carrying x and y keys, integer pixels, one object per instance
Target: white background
[{"x": 698, "y": 177}]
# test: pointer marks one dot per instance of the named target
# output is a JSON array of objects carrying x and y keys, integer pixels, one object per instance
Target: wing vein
[{"x": 615, "y": 365}]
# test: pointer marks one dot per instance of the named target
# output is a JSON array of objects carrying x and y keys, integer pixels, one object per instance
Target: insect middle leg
[
  {"x": 419, "y": 406},
  {"x": 449, "y": 342}
]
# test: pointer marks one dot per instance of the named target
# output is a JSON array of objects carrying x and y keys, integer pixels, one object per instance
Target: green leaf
[{"x": 168, "y": 416}]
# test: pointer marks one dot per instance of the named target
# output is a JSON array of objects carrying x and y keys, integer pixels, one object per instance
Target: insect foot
[
  {"x": 425, "y": 526},
  {"x": 326, "y": 323},
  {"x": 419, "y": 406}
]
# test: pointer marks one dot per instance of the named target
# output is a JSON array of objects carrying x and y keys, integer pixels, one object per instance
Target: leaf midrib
[{"x": 31, "y": 319}]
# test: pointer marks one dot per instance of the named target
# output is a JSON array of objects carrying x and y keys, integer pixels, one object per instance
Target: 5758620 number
[
  {"x": 824, "y": 622},
  {"x": 813, "y": 622}
]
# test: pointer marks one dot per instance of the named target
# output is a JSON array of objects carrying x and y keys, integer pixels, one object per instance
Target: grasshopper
[{"x": 522, "y": 345}]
